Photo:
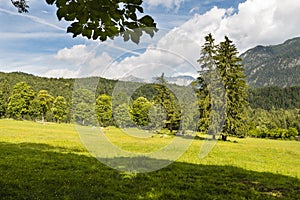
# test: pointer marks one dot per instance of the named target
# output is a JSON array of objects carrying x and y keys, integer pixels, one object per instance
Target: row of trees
[
  {"x": 160, "y": 111},
  {"x": 24, "y": 102},
  {"x": 163, "y": 110}
]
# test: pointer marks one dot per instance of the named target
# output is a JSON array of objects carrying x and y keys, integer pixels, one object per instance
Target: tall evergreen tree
[
  {"x": 221, "y": 83},
  {"x": 207, "y": 63},
  {"x": 210, "y": 90},
  {"x": 230, "y": 68},
  {"x": 167, "y": 100}
]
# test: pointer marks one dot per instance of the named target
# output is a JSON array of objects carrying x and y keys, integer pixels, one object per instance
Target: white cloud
[
  {"x": 167, "y": 3},
  {"x": 254, "y": 23},
  {"x": 77, "y": 55},
  {"x": 86, "y": 58}
]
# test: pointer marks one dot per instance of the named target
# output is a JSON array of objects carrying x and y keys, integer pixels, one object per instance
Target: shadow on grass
[{"x": 38, "y": 171}]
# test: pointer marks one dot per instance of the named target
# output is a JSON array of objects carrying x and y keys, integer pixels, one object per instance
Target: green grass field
[{"x": 50, "y": 162}]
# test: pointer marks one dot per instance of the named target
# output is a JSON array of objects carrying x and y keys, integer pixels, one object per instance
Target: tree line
[{"x": 160, "y": 111}]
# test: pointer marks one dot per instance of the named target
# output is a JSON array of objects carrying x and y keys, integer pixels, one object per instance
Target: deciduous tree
[
  {"x": 101, "y": 19},
  {"x": 45, "y": 101},
  {"x": 104, "y": 110},
  {"x": 59, "y": 108},
  {"x": 20, "y": 100},
  {"x": 140, "y": 111},
  {"x": 84, "y": 107}
]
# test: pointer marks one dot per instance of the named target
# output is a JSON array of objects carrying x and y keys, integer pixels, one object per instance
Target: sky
[{"x": 37, "y": 43}]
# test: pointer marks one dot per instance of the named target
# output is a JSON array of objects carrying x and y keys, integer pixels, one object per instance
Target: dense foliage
[
  {"x": 272, "y": 111},
  {"x": 104, "y": 19},
  {"x": 275, "y": 97}
]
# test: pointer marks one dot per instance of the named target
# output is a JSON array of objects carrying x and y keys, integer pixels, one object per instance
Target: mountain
[
  {"x": 277, "y": 65},
  {"x": 132, "y": 78},
  {"x": 180, "y": 80}
]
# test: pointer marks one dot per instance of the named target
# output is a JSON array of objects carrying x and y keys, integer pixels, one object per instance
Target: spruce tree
[
  {"x": 230, "y": 68},
  {"x": 221, "y": 89},
  {"x": 167, "y": 100},
  {"x": 210, "y": 90}
]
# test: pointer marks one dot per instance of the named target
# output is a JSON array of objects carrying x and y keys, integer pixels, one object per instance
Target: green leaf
[
  {"x": 133, "y": 16},
  {"x": 61, "y": 13},
  {"x": 126, "y": 36},
  {"x": 87, "y": 33},
  {"x": 140, "y": 9},
  {"x": 147, "y": 20},
  {"x": 75, "y": 28},
  {"x": 50, "y": 2},
  {"x": 135, "y": 37}
]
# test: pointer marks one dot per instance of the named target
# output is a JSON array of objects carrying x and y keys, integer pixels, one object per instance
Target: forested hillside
[
  {"x": 277, "y": 65},
  {"x": 263, "y": 97}
]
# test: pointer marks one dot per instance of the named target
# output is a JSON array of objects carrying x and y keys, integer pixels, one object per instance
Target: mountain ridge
[{"x": 273, "y": 65}]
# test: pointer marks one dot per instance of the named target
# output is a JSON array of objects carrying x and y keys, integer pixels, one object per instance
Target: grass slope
[{"x": 50, "y": 162}]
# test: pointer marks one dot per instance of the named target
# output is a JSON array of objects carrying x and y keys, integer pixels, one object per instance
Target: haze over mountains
[{"x": 182, "y": 80}]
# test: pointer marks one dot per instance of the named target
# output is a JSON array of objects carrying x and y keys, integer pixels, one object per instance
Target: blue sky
[{"x": 37, "y": 42}]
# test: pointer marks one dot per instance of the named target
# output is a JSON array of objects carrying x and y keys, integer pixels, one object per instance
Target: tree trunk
[
  {"x": 43, "y": 119},
  {"x": 224, "y": 137}
]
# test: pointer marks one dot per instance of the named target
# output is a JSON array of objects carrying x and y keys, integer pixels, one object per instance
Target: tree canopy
[{"x": 101, "y": 19}]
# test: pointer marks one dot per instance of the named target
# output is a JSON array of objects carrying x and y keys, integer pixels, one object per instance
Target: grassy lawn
[{"x": 50, "y": 162}]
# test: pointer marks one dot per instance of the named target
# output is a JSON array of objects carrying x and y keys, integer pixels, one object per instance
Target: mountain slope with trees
[{"x": 277, "y": 65}]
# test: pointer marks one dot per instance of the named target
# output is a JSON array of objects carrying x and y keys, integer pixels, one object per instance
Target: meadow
[{"x": 50, "y": 162}]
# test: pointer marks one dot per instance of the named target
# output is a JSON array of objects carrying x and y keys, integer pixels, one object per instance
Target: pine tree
[{"x": 210, "y": 90}]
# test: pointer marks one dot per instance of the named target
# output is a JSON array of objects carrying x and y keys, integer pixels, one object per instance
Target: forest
[{"x": 273, "y": 112}]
